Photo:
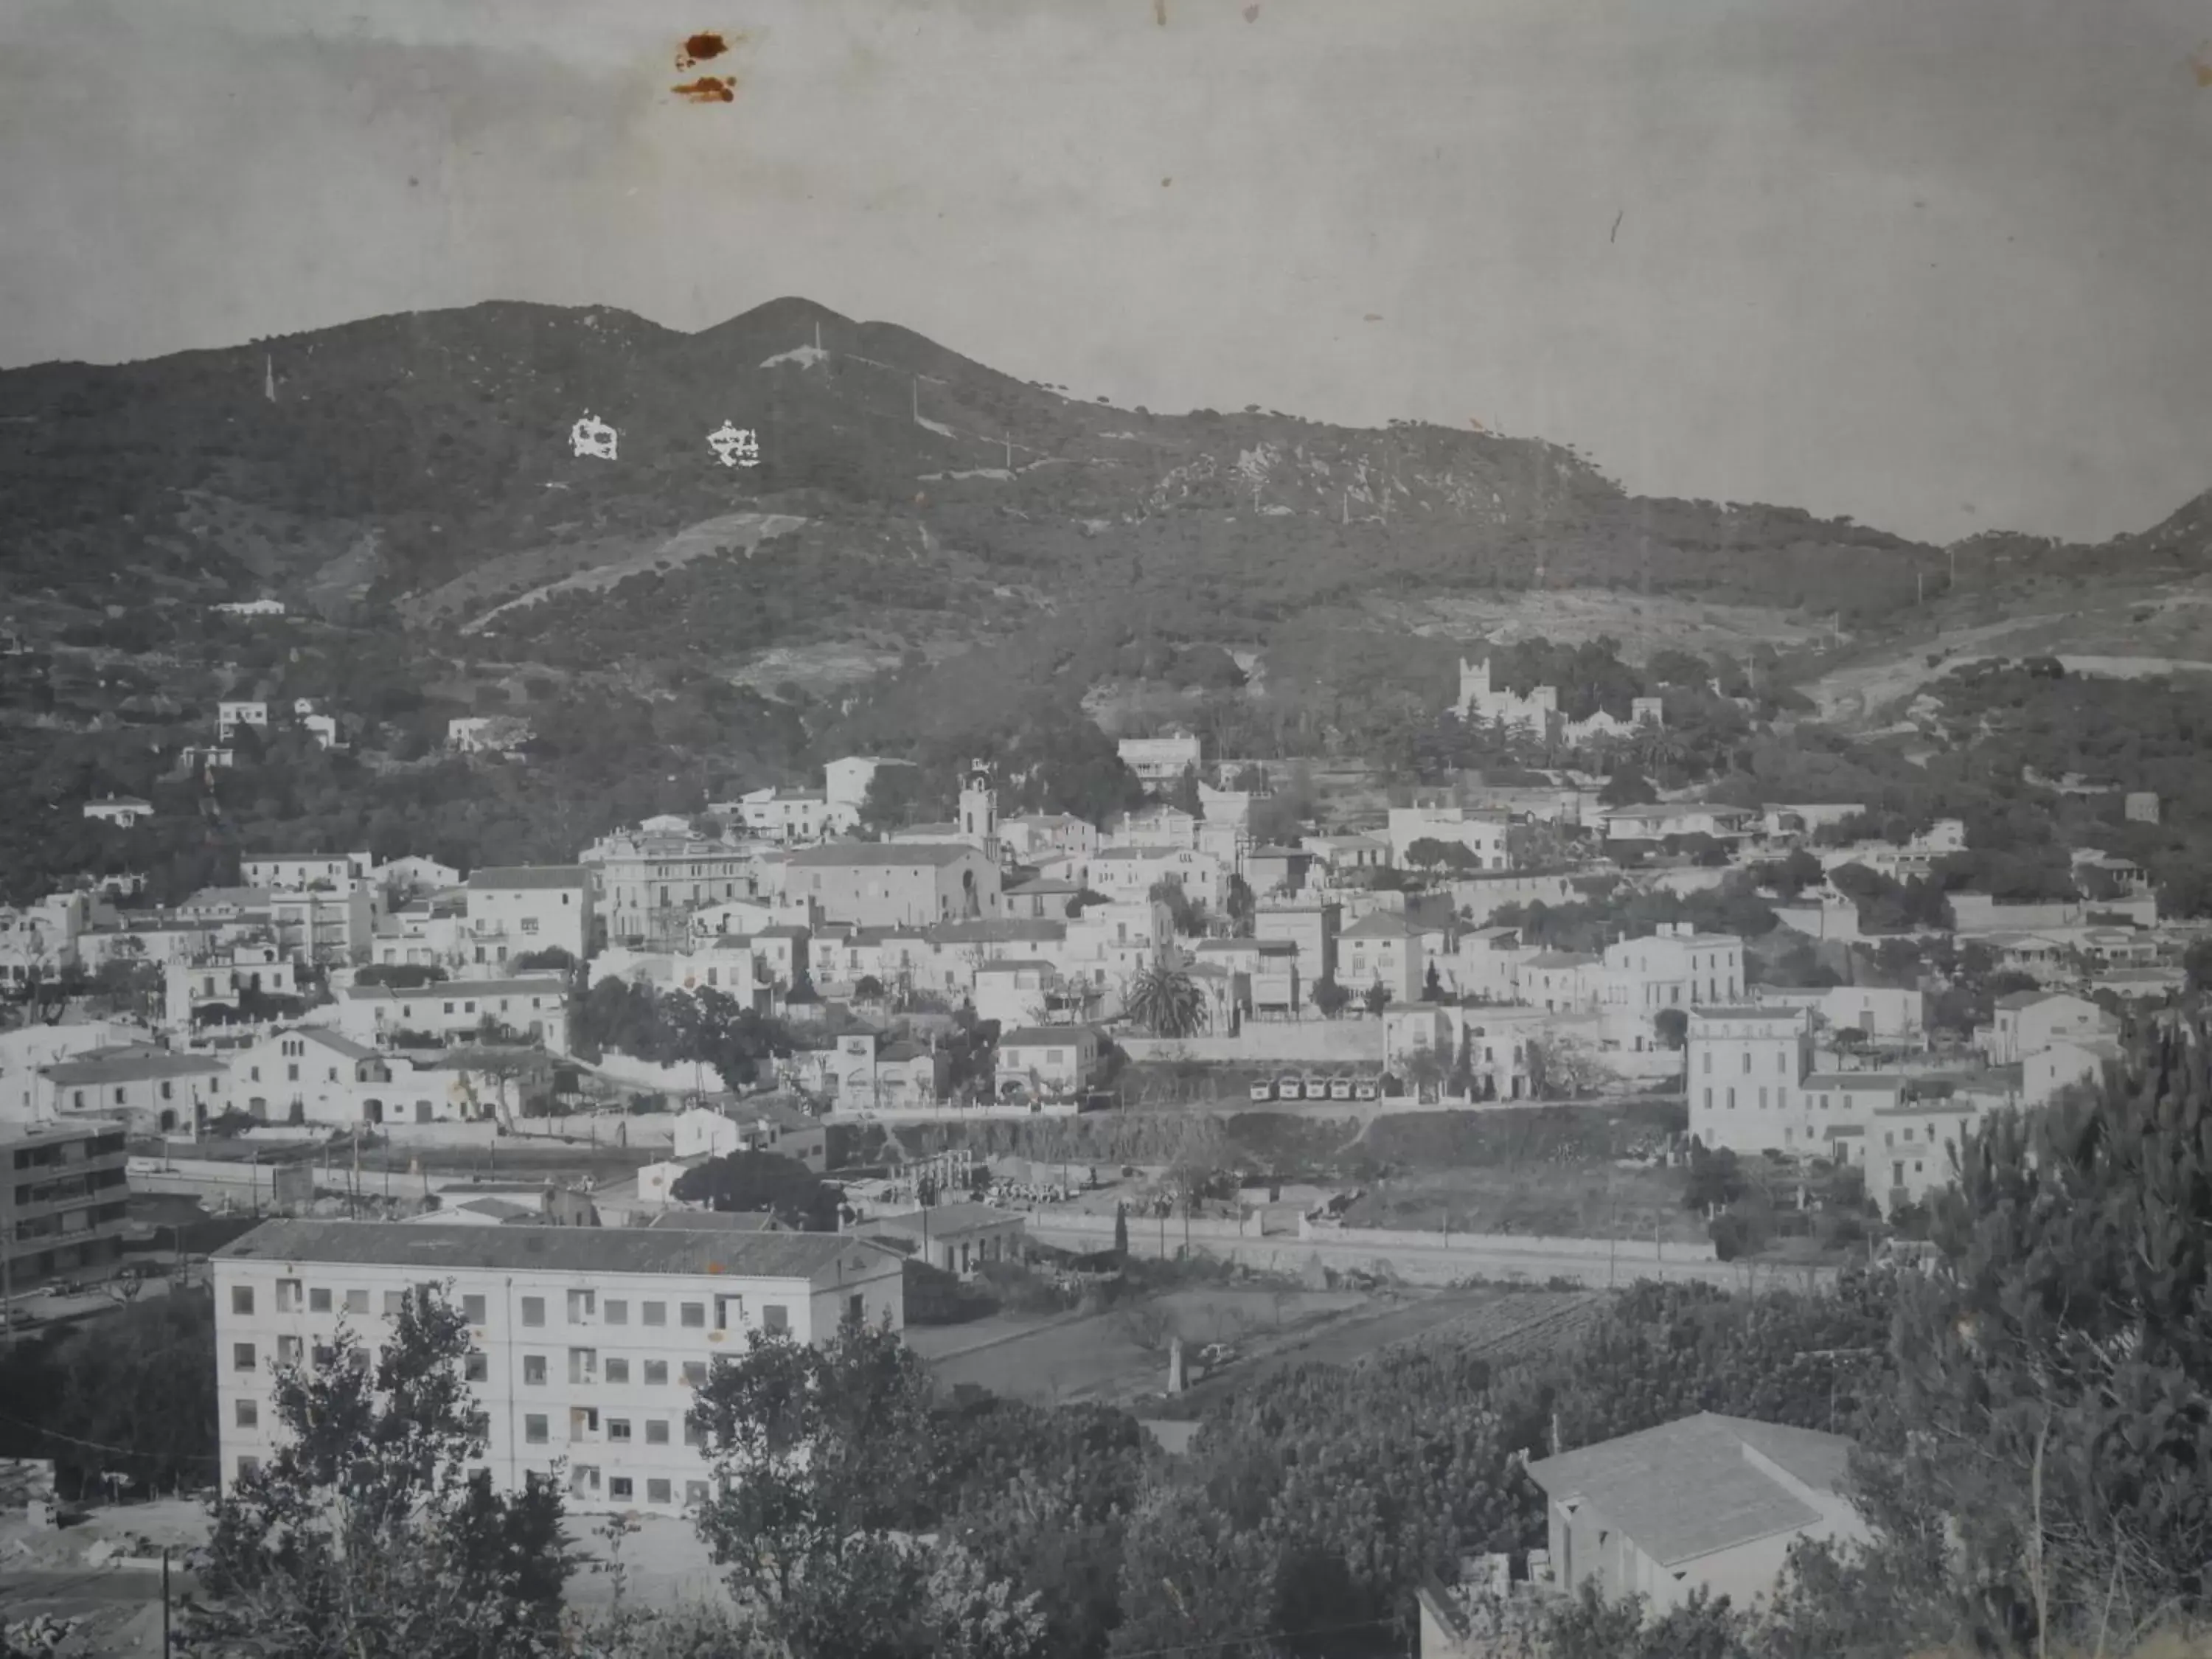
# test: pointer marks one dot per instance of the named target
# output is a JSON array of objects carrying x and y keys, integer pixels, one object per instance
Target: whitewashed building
[{"x": 587, "y": 1345}]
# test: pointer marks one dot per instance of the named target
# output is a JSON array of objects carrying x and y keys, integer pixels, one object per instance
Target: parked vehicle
[
  {"x": 1214, "y": 1355},
  {"x": 1290, "y": 1088},
  {"x": 1263, "y": 1092},
  {"x": 1366, "y": 1091},
  {"x": 1340, "y": 1089},
  {"x": 1316, "y": 1088}
]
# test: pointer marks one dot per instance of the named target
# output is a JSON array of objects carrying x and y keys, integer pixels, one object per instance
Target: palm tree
[{"x": 1166, "y": 1002}]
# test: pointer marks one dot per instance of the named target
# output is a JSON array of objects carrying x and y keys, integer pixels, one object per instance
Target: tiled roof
[
  {"x": 129, "y": 1065},
  {"x": 555, "y": 1249},
  {"x": 870, "y": 854},
  {"x": 529, "y": 876},
  {"x": 945, "y": 1221},
  {"x": 1380, "y": 924},
  {"x": 1690, "y": 1487}
]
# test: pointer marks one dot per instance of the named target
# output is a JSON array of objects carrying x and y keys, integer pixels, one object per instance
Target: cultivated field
[{"x": 1643, "y": 623}]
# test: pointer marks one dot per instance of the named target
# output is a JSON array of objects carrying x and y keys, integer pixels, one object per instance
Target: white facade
[
  {"x": 647, "y": 886},
  {"x": 229, "y": 716},
  {"x": 1128, "y": 874},
  {"x": 2028, "y": 1022},
  {"x": 1483, "y": 833},
  {"x": 514, "y": 912},
  {"x": 846, "y": 781},
  {"x": 452, "y": 1010},
  {"x": 587, "y": 1345},
  {"x": 2049, "y": 1071},
  {"x": 1159, "y": 760},
  {"x": 1745, "y": 1067},
  {"x": 297, "y": 873},
  {"x": 124, "y": 810},
  {"x": 188, "y": 986}
]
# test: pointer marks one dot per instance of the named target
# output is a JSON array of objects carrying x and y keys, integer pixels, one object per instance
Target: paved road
[{"x": 1444, "y": 1265}]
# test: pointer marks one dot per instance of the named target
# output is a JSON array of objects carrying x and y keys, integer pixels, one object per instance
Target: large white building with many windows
[
  {"x": 588, "y": 1344},
  {"x": 1745, "y": 1067}
]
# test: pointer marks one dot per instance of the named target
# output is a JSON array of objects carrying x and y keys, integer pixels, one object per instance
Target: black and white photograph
[{"x": 1105, "y": 830}]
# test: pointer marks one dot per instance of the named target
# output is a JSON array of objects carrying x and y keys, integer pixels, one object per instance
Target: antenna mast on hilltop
[{"x": 268, "y": 377}]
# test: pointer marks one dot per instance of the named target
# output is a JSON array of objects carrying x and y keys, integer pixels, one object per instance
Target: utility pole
[
  {"x": 1920, "y": 588},
  {"x": 167, "y": 1647},
  {"x": 1954, "y": 564}
]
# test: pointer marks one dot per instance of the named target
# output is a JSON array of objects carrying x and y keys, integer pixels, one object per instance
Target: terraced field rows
[{"x": 1515, "y": 1326}]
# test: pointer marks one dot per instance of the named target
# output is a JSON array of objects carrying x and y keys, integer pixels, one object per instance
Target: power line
[{"x": 101, "y": 1445}]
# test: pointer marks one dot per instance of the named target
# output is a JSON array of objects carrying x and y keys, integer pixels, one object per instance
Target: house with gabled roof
[{"x": 1708, "y": 1502}]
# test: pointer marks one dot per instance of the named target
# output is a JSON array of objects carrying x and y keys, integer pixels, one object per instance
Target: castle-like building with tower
[{"x": 1537, "y": 714}]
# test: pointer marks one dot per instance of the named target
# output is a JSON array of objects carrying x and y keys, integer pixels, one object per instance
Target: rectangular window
[
  {"x": 318, "y": 1300},
  {"x": 393, "y": 1302},
  {"x": 583, "y": 1365},
  {"x": 656, "y": 1373},
  {"x": 533, "y": 1310},
  {"x": 249, "y": 1414},
  {"x": 618, "y": 1485},
  {"x": 479, "y": 1426},
  {"x": 1762, "y": 1097},
  {"x": 657, "y": 1491},
  {"x": 694, "y": 1491},
  {"x": 695, "y": 1373},
  {"x": 1731, "y": 1100},
  {"x": 242, "y": 1357},
  {"x": 533, "y": 1368},
  {"x": 533, "y": 1428},
  {"x": 617, "y": 1369},
  {"x": 288, "y": 1297},
  {"x": 694, "y": 1315},
  {"x": 290, "y": 1349},
  {"x": 241, "y": 1299},
  {"x": 248, "y": 1468},
  {"x": 476, "y": 1367},
  {"x": 580, "y": 1306},
  {"x": 617, "y": 1428},
  {"x": 656, "y": 1431},
  {"x": 356, "y": 1302},
  {"x": 727, "y": 1309},
  {"x": 618, "y": 1313},
  {"x": 1709, "y": 1100},
  {"x": 693, "y": 1434},
  {"x": 776, "y": 1317},
  {"x": 656, "y": 1312},
  {"x": 472, "y": 1310}
]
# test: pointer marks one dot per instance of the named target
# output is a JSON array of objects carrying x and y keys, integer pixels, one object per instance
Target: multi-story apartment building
[
  {"x": 1746, "y": 1067},
  {"x": 1312, "y": 927},
  {"x": 534, "y": 1006},
  {"x": 324, "y": 925},
  {"x": 586, "y": 1343},
  {"x": 64, "y": 1187},
  {"x": 1382, "y": 948},
  {"x": 646, "y": 885},
  {"x": 296, "y": 872},
  {"x": 515, "y": 911}
]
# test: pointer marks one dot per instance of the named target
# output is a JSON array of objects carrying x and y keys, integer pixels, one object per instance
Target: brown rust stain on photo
[
  {"x": 708, "y": 89},
  {"x": 699, "y": 49},
  {"x": 2200, "y": 65}
]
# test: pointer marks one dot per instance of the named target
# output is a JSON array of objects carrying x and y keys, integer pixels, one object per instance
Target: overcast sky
[{"x": 1940, "y": 264}]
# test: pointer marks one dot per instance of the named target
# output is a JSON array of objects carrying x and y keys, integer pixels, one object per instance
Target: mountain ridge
[{"x": 365, "y": 466}]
